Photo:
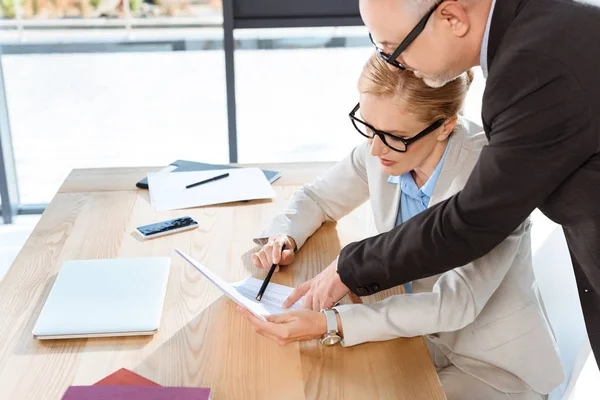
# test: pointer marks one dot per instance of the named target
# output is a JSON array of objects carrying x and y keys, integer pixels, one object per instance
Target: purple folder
[{"x": 136, "y": 393}]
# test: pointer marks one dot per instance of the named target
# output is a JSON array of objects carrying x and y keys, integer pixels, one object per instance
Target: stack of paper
[
  {"x": 168, "y": 191},
  {"x": 184, "y": 166}
]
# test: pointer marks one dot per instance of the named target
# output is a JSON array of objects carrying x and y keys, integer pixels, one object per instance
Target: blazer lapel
[
  {"x": 443, "y": 187},
  {"x": 388, "y": 218},
  {"x": 385, "y": 196}
]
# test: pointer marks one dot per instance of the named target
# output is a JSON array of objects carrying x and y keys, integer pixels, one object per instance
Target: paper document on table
[
  {"x": 244, "y": 292},
  {"x": 169, "y": 192}
]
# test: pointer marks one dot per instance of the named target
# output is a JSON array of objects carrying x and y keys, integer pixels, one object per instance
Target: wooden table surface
[{"x": 202, "y": 340}]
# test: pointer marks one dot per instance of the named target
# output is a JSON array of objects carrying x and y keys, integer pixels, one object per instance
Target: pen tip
[{"x": 258, "y": 297}]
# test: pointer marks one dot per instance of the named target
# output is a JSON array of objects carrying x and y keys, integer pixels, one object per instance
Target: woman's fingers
[
  {"x": 277, "y": 249},
  {"x": 264, "y": 260},
  {"x": 269, "y": 329},
  {"x": 287, "y": 257},
  {"x": 274, "y": 253},
  {"x": 255, "y": 260}
]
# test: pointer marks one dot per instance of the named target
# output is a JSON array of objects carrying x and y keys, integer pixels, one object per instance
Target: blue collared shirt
[{"x": 414, "y": 200}]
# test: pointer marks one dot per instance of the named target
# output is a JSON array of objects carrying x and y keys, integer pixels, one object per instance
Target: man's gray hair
[{"x": 421, "y": 7}]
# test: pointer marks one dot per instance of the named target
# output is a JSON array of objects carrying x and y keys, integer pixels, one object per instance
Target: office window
[
  {"x": 107, "y": 110},
  {"x": 295, "y": 88},
  {"x": 108, "y": 83}
]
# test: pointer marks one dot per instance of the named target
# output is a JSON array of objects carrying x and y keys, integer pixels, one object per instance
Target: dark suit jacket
[{"x": 541, "y": 113}]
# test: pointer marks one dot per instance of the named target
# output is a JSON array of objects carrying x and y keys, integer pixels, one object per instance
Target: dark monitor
[{"x": 295, "y": 13}]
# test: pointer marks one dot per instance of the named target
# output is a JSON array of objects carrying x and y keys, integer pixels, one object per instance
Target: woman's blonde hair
[{"x": 408, "y": 91}]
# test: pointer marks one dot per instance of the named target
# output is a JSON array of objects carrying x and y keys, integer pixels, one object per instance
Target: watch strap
[{"x": 331, "y": 320}]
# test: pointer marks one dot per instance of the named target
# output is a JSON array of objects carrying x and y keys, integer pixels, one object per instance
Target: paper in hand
[{"x": 244, "y": 292}]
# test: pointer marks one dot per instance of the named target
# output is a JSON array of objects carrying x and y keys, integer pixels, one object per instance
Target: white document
[
  {"x": 168, "y": 191},
  {"x": 244, "y": 292}
]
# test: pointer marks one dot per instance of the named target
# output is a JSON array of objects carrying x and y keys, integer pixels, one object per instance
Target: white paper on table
[
  {"x": 244, "y": 292},
  {"x": 168, "y": 192}
]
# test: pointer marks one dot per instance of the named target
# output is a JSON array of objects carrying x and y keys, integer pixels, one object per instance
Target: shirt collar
[
  {"x": 393, "y": 179},
  {"x": 483, "y": 56}
]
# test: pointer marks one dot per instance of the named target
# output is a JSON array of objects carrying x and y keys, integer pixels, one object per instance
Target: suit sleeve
[
  {"x": 340, "y": 190},
  {"x": 457, "y": 298},
  {"x": 538, "y": 137}
]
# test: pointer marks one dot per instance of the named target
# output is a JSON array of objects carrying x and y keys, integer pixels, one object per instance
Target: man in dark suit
[{"x": 541, "y": 113}]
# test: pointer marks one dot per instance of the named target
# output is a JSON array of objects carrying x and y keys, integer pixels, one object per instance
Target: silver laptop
[{"x": 102, "y": 298}]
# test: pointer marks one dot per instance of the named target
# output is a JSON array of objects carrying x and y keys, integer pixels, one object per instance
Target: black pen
[
  {"x": 268, "y": 278},
  {"x": 215, "y": 178}
]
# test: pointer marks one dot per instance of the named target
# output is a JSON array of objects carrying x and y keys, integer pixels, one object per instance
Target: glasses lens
[
  {"x": 391, "y": 141},
  {"x": 383, "y": 56},
  {"x": 386, "y": 57},
  {"x": 362, "y": 129},
  {"x": 394, "y": 143}
]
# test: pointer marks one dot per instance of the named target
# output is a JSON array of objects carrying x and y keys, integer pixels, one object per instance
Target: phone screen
[{"x": 160, "y": 227}]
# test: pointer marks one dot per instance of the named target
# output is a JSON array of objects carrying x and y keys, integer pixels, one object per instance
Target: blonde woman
[{"x": 483, "y": 323}]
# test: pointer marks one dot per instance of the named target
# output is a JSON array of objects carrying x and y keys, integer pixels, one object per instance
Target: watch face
[{"x": 331, "y": 340}]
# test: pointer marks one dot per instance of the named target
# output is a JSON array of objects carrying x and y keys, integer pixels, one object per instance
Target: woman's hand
[
  {"x": 293, "y": 326},
  {"x": 271, "y": 253}
]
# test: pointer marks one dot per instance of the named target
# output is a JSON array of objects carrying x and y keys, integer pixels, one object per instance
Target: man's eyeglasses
[
  {"x": 393, "y": 142},
  {"x": 416, "y": 31}
]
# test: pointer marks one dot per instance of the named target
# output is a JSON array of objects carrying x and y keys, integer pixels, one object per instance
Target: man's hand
[{"x": 321, "y": 292}]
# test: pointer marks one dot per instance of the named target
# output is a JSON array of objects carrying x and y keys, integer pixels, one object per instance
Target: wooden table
[{"x": 202, "y": 341}]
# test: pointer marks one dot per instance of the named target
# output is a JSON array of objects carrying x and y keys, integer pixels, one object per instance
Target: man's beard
[{"x": 439, "y": 81}]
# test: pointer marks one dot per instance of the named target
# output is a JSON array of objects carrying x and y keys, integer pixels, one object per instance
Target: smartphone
[{"x": 166, "y": 227}]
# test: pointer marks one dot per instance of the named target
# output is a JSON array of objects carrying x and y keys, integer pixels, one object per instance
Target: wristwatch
[{"x": 332, "y": 336}]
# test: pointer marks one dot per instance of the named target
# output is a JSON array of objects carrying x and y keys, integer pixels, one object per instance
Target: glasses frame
[
  {"x": 416, "y": 31},
  {"x": 383, "y": 134}
]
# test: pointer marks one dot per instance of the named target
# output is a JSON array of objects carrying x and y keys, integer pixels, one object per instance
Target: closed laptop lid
[{"x": 93, "y": 298}]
